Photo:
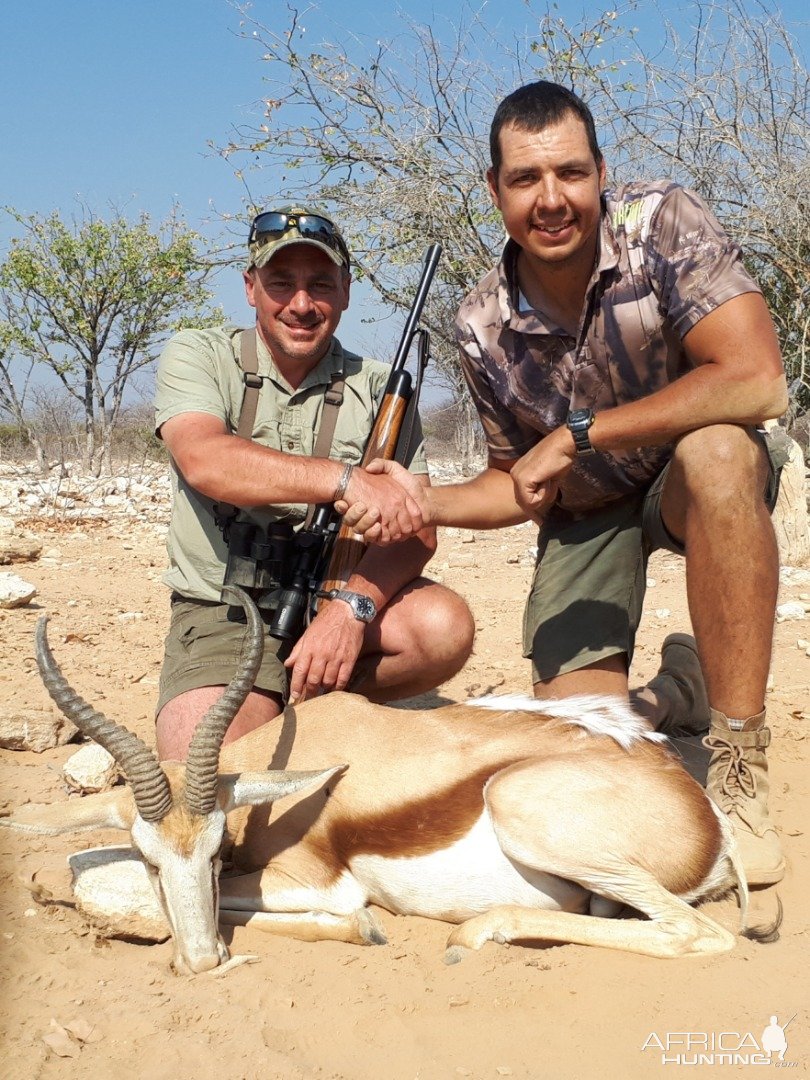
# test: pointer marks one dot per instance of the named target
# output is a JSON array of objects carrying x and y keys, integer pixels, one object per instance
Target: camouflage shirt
[{"x": 663, "y": 263}]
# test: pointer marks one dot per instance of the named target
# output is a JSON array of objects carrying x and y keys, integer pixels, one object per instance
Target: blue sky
[{"x": 115, "y": 101}]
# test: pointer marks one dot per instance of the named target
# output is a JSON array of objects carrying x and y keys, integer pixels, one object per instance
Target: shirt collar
[{"x": 321, "y": 375}]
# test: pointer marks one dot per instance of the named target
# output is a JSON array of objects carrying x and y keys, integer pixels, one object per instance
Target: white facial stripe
[{"x": 187, "y": 891}]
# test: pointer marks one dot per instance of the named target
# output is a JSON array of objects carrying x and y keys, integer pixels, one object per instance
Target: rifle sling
[{"x": 333, "y": 399}]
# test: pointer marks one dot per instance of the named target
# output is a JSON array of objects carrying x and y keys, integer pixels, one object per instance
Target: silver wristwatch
[{"x": 363, "y": 607}]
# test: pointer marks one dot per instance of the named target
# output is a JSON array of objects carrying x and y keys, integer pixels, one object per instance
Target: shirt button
[{"x": 290, "y": 444}]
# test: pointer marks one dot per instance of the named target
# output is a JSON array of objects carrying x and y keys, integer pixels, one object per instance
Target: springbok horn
[
  {"x": 202, "y": 764},
  {"x": 149, "y": 784}
]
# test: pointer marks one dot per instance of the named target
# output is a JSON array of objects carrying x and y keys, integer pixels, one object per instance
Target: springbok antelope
[{"x": 519, "y": 821}]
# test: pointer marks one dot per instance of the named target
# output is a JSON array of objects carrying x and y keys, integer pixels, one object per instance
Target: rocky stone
[
  {"x": 111, "y": 887},
  {"x": 15, "y": 548},
  {"x": 793, "y": 609},
  {"x": 90, "y": 769},
  {"x": 14, "y": 591},
  {"x": 130, "y": 616},
  {"x": 33, "y": 729}
]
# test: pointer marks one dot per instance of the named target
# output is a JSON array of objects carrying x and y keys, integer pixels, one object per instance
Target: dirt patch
[{"x": 338, "y": 1011}]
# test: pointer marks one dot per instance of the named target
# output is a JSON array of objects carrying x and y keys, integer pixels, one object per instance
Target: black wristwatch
[
  {"x": 363, "y": 607},
  {"x": 579, "y": 422}
]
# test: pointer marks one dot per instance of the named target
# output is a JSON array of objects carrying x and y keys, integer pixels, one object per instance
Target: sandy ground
[{"x": 343, "y": 1012}]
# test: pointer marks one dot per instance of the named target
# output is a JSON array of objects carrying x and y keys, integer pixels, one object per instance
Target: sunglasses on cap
[{"x": 269, "y": 227}]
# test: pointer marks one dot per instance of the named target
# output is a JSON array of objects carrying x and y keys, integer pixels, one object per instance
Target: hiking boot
[
  {"x": 738, "y": 785},
  {"x": 680, "y": 689}
]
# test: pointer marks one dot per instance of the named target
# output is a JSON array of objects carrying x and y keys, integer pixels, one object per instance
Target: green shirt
[{"x": 199, "y": 371}]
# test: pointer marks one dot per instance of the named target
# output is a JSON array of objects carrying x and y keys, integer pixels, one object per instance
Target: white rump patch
[{"x": 596, "y": 713}]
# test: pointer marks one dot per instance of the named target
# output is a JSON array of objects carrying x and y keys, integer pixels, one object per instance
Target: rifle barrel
[{"x": 432, "y": 256}]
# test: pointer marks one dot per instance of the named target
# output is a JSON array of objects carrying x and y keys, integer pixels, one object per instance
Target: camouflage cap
[{"x": 275, "y": 229}]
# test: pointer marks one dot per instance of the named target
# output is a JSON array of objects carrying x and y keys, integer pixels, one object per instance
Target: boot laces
[{"x": 738, "y": 779}]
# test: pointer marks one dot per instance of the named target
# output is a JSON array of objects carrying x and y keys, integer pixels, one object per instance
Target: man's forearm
[
  {"x": 234, "y": 470},
  {"x": 485, "y": 502}
]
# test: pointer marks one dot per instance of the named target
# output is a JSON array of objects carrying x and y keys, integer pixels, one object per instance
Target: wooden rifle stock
[
  {"x": 347, "y": 550},
  {"x": 383, "y": 440}
]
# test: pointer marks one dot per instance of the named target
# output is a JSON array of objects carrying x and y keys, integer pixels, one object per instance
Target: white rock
[
  {"x": 90, "y": 769},
  {"x": 794, "y": 575},
  {"x": 14, "y": 591},
  {"x": 84, "y": 515},
  {"x": 793, "y": 609},
  {"x": 111, "y": 887},
  {"x": 662, "y": 613},
  {"x": 130, "y": 616}
]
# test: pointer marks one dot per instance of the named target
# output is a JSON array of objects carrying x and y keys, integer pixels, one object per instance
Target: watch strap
[{"x": 579, "y": 424}]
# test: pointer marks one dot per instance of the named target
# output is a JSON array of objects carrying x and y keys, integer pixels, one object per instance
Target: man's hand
[
  {"x": 537, "y": 475},
  {"x": 324, "y": 656},
  {"x": 384, "y": 503}
]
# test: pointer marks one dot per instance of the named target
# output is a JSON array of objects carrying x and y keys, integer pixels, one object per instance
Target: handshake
[{"x": 384, "y": 503}]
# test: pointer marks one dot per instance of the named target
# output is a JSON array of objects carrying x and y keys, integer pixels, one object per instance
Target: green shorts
[
  {"x": 588, "y": 589},
  {"x": 203, "y": 647}
]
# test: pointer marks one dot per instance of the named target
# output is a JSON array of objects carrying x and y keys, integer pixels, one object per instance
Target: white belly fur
[{"x": 463, "y": 880}]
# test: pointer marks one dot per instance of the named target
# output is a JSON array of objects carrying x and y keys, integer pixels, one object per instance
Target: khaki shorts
[
  {"x": 203, "y": 647},
  {"x": 588, "y": 589}
]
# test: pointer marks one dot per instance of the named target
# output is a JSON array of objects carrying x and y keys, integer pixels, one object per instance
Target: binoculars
[{"x": 280, "y": 569}]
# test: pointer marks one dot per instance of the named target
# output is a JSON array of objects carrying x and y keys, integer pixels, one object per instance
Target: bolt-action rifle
[{"x": 327, "y": 550}]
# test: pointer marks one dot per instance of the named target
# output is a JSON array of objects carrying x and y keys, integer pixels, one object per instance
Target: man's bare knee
[
  {"x": 720, "y": 451},
  {"x": 179, "y": 718},
  {"x": 446, "y": 626}
]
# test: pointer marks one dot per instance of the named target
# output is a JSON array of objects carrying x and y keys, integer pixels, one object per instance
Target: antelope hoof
[
  {"x": 370, "y": 930},
  {"x": 454, "y": 954},
  {"x": 471, "y": 935},
  {"x": 229, "y": 965}
]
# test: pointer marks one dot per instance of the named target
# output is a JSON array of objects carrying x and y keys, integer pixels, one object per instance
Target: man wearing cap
[{"x": 393, "y": 633}]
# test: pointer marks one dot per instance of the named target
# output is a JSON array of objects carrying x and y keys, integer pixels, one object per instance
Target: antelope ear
[
  {"x": 108, "y": 810},
  {"x": 256, "y": 789}
]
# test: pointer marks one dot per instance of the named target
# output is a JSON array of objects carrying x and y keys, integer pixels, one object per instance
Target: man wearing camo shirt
[{"x": 621, "y": 360}]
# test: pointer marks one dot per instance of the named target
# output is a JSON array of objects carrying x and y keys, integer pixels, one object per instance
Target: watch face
[
  {"x": 365, "y": 608},
  {"x": 580, "y": 419}
]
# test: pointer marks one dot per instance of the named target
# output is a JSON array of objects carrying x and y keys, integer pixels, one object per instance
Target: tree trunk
[
  {"x": 790, "y": 520},
  {"x": 39, "y": 452}
]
